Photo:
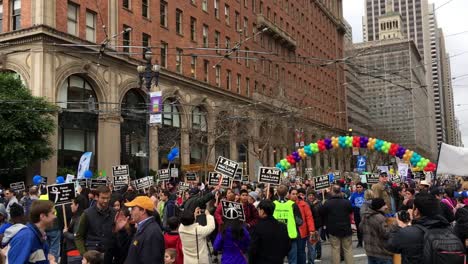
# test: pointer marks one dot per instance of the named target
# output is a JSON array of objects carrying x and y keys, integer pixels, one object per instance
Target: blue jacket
[
  {"x": 233, "y": 251},
  {"x": 28, "y": 246}
]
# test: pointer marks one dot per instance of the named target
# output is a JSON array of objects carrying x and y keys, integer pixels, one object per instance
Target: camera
[{"x": 403, "y": 216}]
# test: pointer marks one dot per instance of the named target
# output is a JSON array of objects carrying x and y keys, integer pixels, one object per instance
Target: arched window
[
  {"x": 171, "y": 116},
  {"x": 199, "y": 119},
  {"x": 198, "y": 136},
  {"x": 78, "y": 122},
  {"x": 133, "y": 133}
]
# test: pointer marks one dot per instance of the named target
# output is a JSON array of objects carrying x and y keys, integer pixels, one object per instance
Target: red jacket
[
  {"x": 172, "y": 240},
  {"x": 308, "y": 225}
]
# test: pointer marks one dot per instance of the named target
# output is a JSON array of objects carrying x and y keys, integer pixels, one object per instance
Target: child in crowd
[
  {"x": 170, "y": 256},
  {"x": 172, "y": 239},
  {"x": 92, "y": 257}
]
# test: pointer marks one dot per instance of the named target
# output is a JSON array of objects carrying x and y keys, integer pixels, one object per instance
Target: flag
[
  {"x": 361, "y": 163},
  {"x": 84, "y": 164},
  {"x": 452, "y": 160}
]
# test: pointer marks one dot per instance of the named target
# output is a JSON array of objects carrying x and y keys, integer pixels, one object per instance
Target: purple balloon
[
  {"x": 363, "y": 142},
  {"x": 400, "y": 152},
  {"x": 296, "y": 156},
  {"x": 328, "y": 143}
]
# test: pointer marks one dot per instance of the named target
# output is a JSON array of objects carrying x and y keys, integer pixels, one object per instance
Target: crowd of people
[{"x": 409, "y": 222}]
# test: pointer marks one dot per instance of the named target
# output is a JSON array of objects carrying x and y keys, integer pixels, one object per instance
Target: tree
[{"x": 26, "y": 125}]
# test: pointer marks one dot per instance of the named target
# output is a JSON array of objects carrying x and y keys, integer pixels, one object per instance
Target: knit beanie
[{"x": 377, "y": 203}]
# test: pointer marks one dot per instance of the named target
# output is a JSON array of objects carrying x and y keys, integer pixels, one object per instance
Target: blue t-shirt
[
  {"x": 4, "y": 227},
  {"x": 357, "y": 199}
]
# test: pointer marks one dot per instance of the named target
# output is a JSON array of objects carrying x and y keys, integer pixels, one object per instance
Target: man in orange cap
[{"x": 148, "y": 242}]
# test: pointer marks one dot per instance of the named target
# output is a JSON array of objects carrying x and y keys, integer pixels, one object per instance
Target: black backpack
[{"x": 441, "y": 245}]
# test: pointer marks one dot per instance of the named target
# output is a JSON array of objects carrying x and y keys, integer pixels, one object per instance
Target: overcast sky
[{"x": 452, "y": 18}]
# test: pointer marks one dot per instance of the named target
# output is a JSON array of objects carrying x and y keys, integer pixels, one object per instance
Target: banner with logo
[
  {"x": 83, "y": 166},
  {"x": 155, "y": 107},
  {"x": 361, "y": 163}
]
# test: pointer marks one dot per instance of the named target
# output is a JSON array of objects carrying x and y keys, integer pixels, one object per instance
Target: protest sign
[
  {"x": 226, "y": 167},
  {"x": 120, "y": 181},
  {"x": 95, "y": 183},
  {"x": 120, "y": 170},
  {"x": 309, "y": 173},
  {"x": 238, "y": 175},
  {"x": 321, "y": 182},
  {"x": 69, "y": 178},
  {"x": 61, "y": 194},
  {"x": 174, "y": 172},
  {"x": 190, "y": 176},
  {"x": 372, "y": 178},
  {"x": 232, "y": 210},
  {"x": 17, "y": 186},
  {"x": 215, "y": 177},
  {"x": 183, "y": 186},
  {"x": 44, "y": 180},
  {"x": 396, "y": 178},
  {"x": 142, "y": 183},
  {"x": 82, "y": 182},
  {"x": 269, "y": 175},
  {"x": 164, "y": 174}
]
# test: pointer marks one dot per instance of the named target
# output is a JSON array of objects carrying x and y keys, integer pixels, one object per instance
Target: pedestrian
[
  {"x": 376, "y": 230},
  {"x": 357, "y": 199},
  {"x": 29, "y": 245},
  {"x": 170, "y": 207},
  {"x": 233, "y": 240},
  {"x": 287, "y": 212},
  {"x": 147, "y": 244},
  {"x": 170, "y": 256},
  {"x": 71, "y": 252},
  {"x": 461, "y": 225},
  {"x": 33, "y": 195},
  {"x": 230, "y": 196},
  {"x": 414, "y": 241},
  {"x": 16, "y": 223},
  {"x": 194, "y": 237},
  {"x": 336, "y": 214},
  {"x": 307, "y": 229},
  {"x": 315, "y": 250},
  {"x": 93, "y": 257},
  {"x": 382, "y": 190},
  {"x": 10, "y": 197},
  {"x": 253, "y": 198},
  {"x": 250, "y": 212},
  {"x": 172, "y": 239},
  {"x": 270, "y": 242},
  {"x": 196, "y": 200},
  {"x": 446, "y": 210},
  {"x": 408, "y": 199}
]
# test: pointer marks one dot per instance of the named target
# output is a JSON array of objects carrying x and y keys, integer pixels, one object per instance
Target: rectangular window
[
  {"x": 238, "y": 83},
  {"x": 260, "y": 8},
  {"x": 179, "y": 54},
  {"x": 216, "y": 42},
  {"x": 205, "y": 36},
  {"x": 255, "y": 86},
  {"x": 90, "y": 26},
  {"x": 1, "y": 17},
  {"x": 145, "y": 8},
  {"x": 72, "y": 19},
  {"x": 163, "y": 59},
  {"x": 228, "y": 43},
  {"x": 163, "y": 14},
  {"x": 247, "y": 62},
  {"x": 206, "y": 65},
  {"x": 216, "y": 8},
  {"x": 237, "y": 21},
  {"x": 247, "y": 86},
  {"x": 205, "y": 5},
  {"x": 193, "y": 67},
  {"x": 126, "y": 39},
  {"x": 16, "y": 15},
  {"x": 228, "y": 79},
  {"x": 245, "y": 30},
  {"x": 226, "y": 14},
  {"x": 254, "y": 6},
  {"x": 126, "y": 4},
  {"x": 218, "y": 76},
  {"x": 246, "y": 3},
  {"x": 145, "y": 42},
  {"x": 254, "y": 32},
  {"x": 193, "y": 29},
  {"x": 179, "y": 21}
]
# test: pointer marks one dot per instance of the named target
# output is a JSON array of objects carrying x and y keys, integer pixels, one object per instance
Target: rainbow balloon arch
[{"x": 344, "y": 142}]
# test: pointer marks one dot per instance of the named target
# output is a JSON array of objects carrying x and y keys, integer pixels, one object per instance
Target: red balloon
[{"x": 356, "y": 141}]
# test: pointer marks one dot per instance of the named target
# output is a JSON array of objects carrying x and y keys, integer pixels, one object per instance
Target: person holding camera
[{"x": 376, "y": 230}]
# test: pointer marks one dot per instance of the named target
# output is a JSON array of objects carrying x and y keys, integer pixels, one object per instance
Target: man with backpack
[{"x": 429, "y": 239}]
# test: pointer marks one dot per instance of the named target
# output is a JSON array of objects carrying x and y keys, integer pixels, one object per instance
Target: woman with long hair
[{"x": 233, "y": 240}]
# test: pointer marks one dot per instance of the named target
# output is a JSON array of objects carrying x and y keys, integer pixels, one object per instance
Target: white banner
[
  {"x": 403, "y": 170},
  {"x": 453, "y": 160},
  {"x": 383, "y": 169},
  {"x": 84, "y": 164}
]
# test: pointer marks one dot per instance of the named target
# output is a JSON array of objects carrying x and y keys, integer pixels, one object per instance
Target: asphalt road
[{"x": 358, "y": 253}]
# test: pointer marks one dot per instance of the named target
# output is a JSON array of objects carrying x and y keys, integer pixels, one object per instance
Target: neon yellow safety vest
[{"x": 284, "y": 213}]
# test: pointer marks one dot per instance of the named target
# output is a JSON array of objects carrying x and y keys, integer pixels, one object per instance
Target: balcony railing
[{"x": 276, "y": 32}]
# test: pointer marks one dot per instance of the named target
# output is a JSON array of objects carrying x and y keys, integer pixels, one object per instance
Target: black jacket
[
  {"x": 409, "y": 241},
  {"x": 315, "y": 208},
  {"x": 461, "y": 227},
  {"x": 447, "y": 212},
  {"x": 336, "y": 216},
  {"x": 266, "y": 245},
  {"x": 147, "y": 245},
  {"x": 195, "y": 201}
]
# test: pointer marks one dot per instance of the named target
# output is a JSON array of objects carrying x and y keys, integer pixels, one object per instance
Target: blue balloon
[
  {"x": 37, "y": 179},
  {"x": 60, "y": 180},
  {"x": 88, "y": 174}
]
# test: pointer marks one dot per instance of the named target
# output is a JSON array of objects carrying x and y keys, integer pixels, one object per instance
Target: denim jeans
[
  {"x": 301, "y": 253},
  {"x": 312, "y": 253},
  {"x": 53, "y": 239},
  {"x": 375, "y": 260},
  {"x": 292, "y": 255}
]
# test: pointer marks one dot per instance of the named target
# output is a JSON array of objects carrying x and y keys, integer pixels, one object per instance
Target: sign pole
[
  {"x": 64, "y": 217},
  {"x": 232, "y": 181},
  {"x": 268, "y": 191},
  {"x": 323, "y": 196},
  {"x": 220, "y": 180}
]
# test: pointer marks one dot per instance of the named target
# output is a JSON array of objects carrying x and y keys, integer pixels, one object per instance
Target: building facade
[{"x": 237, "y": 78}]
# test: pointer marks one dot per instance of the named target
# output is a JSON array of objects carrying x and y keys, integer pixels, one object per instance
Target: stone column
[
  {"x": 49, "y": 167},
  {"x": 108, "y": 148},
  {"x": 43, "y": 12},
  {"x": 318, "y": 164},
  {"x": 333, "y": 161},
  {"x": 211, "y": 138},
  {"x": 185, "y": 146},
  {"x": 271, "y": 155},
  {"x": 233, "y": 153},
  {"x": 252, "y": 159},
  {"x": 153, "y": 146}
]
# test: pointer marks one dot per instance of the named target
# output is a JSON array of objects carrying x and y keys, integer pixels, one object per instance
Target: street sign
[
  {"x": 269, "y": 175},
  {"x": 226, "y": 167},
  {"x": 190, "y": 176},
  {"x": 321, "y": 182},
  {"x": 17, "y": 186},
  {"x": 164, "y": 174},
  {"x": 95, "y": 183},
  {"x": 120, "y": 181},
  {"x": 142, "y": 183},
  {"x": 120, "y": 170},
  {"x": 214, "y": 177},
  {"x": 61, "y": 193},
  {"x": 232, "y": 210}
]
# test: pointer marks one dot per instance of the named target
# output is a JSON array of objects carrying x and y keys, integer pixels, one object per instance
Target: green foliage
[
  {"x": 64, "y": 171},
  {"x": 26, "y": 123}
]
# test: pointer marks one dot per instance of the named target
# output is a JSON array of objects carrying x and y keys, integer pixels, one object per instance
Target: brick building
[{"x": 257, "y": 69}]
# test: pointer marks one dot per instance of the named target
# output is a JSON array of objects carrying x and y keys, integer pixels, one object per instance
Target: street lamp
[{"x": 147, "y": 74}]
